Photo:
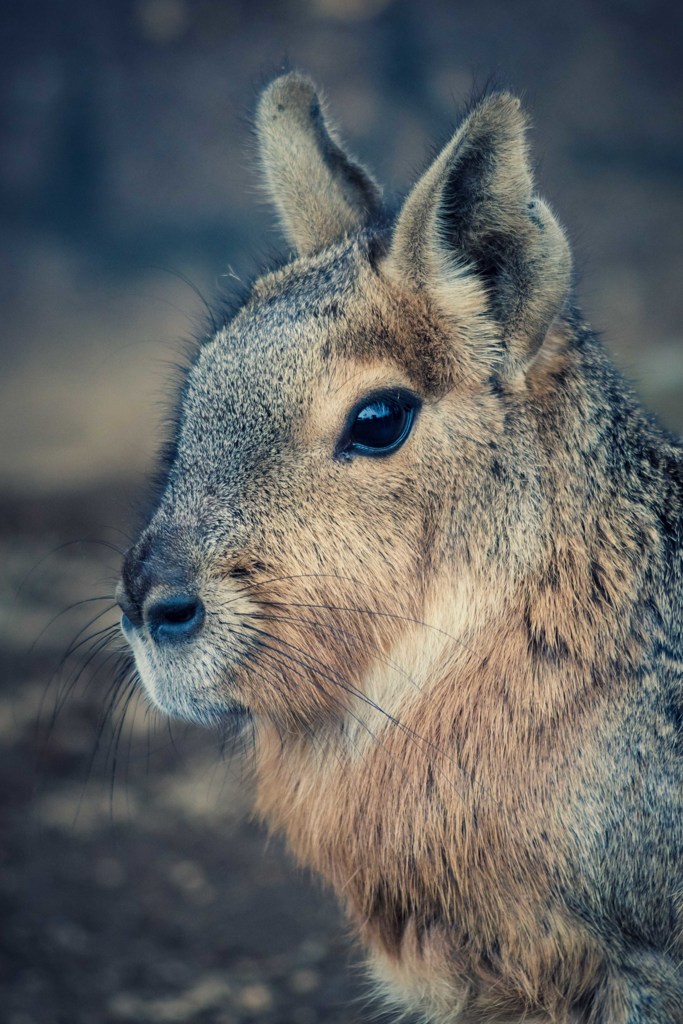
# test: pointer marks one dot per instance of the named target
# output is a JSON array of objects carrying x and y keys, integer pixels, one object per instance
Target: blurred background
[{"x": 134, "y": 887}]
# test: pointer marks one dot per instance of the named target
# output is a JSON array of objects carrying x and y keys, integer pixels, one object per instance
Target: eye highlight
[{"x": 379, "y": 424}]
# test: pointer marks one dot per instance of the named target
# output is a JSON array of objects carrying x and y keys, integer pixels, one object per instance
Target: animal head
[{"x": 343, "y": 463}]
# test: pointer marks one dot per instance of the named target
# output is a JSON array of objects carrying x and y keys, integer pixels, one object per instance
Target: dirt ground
[{"x": 134, "y": 886}]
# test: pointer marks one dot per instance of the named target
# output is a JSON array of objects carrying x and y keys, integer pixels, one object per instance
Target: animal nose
[
  {"x": 174, "y": 618},
  {"x": 158, "y": 588}
]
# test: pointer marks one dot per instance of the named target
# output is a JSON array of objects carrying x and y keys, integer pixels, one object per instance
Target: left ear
[
  {"x": 474, "y": 212},
  {"x": 320, "y": 192}
]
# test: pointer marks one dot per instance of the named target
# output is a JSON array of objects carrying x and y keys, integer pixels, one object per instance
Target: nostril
[{"x": 177, "y": 617}]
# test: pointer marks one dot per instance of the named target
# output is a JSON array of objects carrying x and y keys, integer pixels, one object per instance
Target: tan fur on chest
[{"x": 446, "y": 863}]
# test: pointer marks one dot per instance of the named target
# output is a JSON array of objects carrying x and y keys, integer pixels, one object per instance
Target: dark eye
[{"x": 379, "y": 424}]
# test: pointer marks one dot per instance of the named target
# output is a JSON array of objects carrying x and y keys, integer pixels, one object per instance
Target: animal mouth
[{"x": 184, "y": 680}]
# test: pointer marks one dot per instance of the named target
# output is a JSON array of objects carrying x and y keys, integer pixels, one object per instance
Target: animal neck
[{"x": 368, "y": 803}]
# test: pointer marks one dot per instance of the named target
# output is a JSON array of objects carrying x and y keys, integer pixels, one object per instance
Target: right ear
[
  {"x": 320, "y": 193},
  {"x": 473, "y": 226}
]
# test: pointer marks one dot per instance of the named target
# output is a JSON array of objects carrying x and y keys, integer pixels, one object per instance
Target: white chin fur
[{"x": 170, "y": 682}]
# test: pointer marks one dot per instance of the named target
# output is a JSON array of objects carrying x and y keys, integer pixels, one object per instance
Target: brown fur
[{"x": 462, "y": 661}]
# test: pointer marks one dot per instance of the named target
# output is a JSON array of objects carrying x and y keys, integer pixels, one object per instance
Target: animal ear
[
  {"x": 474, "y": 212},
  {"x": 320, "y": 193}
]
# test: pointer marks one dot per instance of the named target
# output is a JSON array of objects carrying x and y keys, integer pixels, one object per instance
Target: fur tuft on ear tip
[
  {"x": 498, "y": 122},
  {"x": 320, "y": 192},
  {"x": 501, "y": 100},
  {"x": 290, "y": 94}
]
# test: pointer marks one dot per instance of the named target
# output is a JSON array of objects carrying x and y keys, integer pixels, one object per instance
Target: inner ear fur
[
  {"x": 320, "y": 193},
  {"x": 474, "y": 214}
]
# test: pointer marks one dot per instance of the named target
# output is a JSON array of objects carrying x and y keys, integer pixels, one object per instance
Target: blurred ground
[
  {"x": 124, "y": 169},
  {"x": 133, "y": 887}
]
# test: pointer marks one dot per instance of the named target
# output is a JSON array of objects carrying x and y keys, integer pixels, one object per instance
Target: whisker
[
  {"x": 113, "y": 627},
  {"x": 421, "y": 741},
  {"x": 121, "y": 707},
  {"x": 366, "y": 611},
  {"x": 279, "y": 681},
  {"x": 409, "y": 732},
  {"x": 274, "y": 656},
  {"x": 65, "y": 611},
  {"x": 100, "y": 640},
  {"x": 118, "y": 682},
  {"x": 62, "y": 662},
  {"x": 338, "y": 681},
  {"x": 258, "y": 584},
  {"x": 194, "y": 288},
  {"x": 337, "y": 630},
  {"x": 62, "y": 547}
]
